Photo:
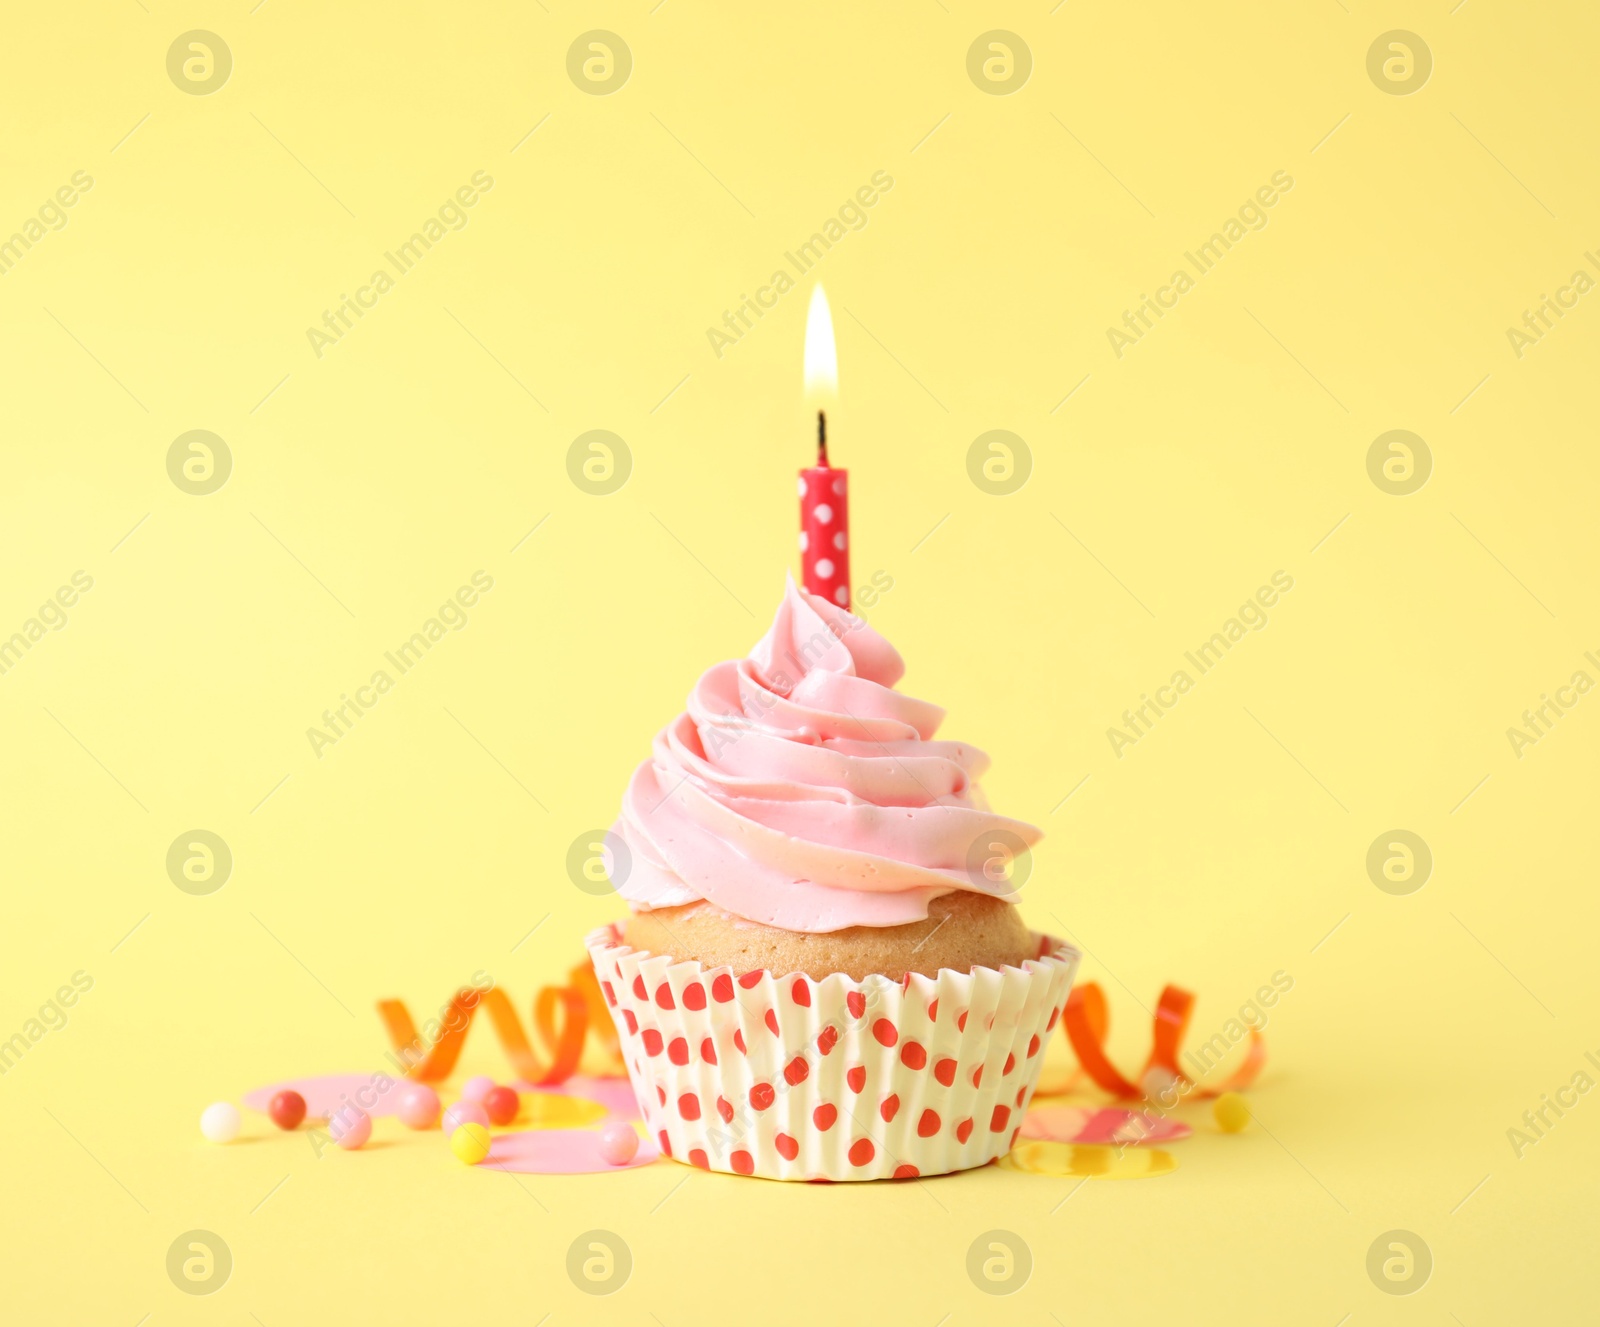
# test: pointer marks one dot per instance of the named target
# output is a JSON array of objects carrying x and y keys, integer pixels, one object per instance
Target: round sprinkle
[
  {"x": 470, "y": 1143},
  {"x": 476, "y": 1089},
  {"x": 419, "y": 1106},
  {"x": 351, "y": 1128},
  {"x": 619, "y": 1144},
  {"x": 219, "y": 1122},
  {"x": 1232, "y": 1112},
  {"x": 1158, "y": 1083},
  {"x": 287, "y": 1109},
  {"x": 502, "y": 1105},
  {"x": 463, "y": 1113}
]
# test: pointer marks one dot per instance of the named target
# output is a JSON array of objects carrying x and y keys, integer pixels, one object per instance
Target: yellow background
[{"x": 368, "y": 484}]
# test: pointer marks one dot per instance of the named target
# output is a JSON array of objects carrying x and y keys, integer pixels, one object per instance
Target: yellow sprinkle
[
  {"x": 470, "y": 1143},
  {"x": 1232, "y": 1112}
]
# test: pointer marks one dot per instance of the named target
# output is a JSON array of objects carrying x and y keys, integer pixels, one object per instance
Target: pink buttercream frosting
[{"x": 802, "y": 791}]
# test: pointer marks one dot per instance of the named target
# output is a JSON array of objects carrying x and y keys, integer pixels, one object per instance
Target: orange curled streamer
[
  {"x": 565, "y": 1042},
  {"x": 1086, "y": 1019}
]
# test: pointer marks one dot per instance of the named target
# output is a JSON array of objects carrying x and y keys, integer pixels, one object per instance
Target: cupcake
[{"x": 824, "y": 974}]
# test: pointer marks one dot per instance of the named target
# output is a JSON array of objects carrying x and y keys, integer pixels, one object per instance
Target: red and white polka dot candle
[
  {"x": 824, "y": 490},
  {"x": 825, "y": 531}
]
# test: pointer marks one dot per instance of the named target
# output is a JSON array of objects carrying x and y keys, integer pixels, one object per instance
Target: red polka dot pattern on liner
[
  {"x": 906, "y": 1023},
  {"x": 697, "y": 1157},
  {"x": 664, "y": 1143}
]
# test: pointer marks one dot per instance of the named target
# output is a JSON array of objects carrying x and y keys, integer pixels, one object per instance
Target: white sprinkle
[
  {"x": 824, "y": 568},
  {"x": 839, "y": 541},
  {"x": 824, "y": 512}
]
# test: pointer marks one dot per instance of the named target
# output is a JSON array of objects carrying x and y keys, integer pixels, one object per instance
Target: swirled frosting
[{"x": 800, "y": 790}]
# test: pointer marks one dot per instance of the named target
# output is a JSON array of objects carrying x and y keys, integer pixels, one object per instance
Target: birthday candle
[{"x": 824, "y": 489}]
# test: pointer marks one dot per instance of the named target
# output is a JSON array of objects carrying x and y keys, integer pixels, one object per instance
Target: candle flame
[{"x": 822, "y": 359}]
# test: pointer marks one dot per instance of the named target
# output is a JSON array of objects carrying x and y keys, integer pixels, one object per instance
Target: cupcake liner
[{"x": 791, "y": 1078}]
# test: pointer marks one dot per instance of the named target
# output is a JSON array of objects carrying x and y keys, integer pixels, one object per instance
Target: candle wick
[{"x": 822, "y": 438}]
